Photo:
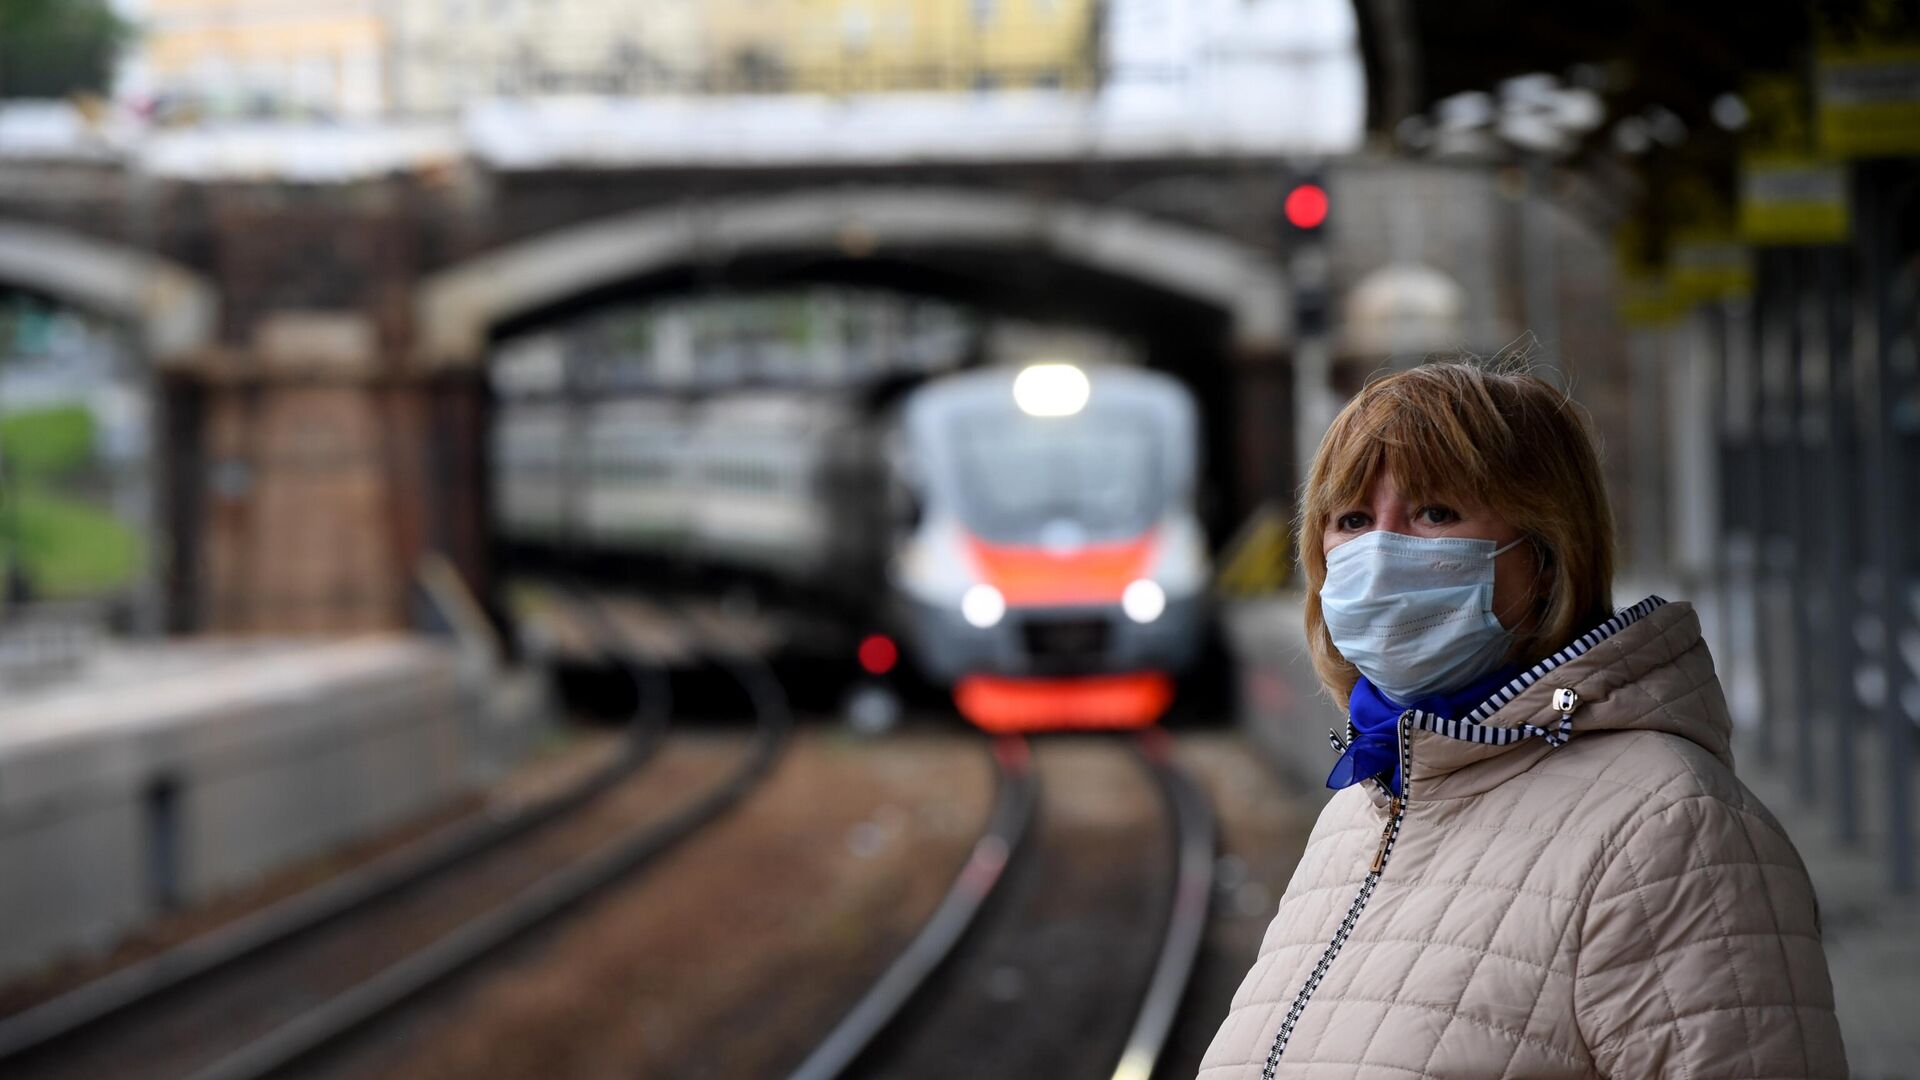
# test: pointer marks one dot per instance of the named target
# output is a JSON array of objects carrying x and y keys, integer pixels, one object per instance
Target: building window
[{"x": 983, "y": 10}]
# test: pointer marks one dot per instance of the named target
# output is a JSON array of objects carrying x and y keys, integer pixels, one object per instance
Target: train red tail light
[{"x": 878, "y": 654}]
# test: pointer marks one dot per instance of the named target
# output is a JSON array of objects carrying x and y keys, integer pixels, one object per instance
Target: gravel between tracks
[
  {"x": 731, "y": 956},
  {"x": 1264, "y": 822},
  {"x": 1052, "y": 976}
]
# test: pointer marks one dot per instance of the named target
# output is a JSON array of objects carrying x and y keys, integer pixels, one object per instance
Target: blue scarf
[{"x": 1375, "y": 749}]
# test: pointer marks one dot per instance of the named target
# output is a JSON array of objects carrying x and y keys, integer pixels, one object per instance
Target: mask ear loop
[
  {"x": 1542, "y": 578},
  {"x": 1517, "y": 541},
  {"x": 1499, "y": 551}
]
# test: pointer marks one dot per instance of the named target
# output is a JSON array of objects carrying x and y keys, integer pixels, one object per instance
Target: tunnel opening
[
  {"x": 1186, "y": 338},
  {"x": 77, "y": 479},
  {"x": 986, "y": 291}
]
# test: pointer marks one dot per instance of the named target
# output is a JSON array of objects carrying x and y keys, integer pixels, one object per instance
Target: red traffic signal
[
  {"x": 1306, "y": 206},
  {"x": 878, "y": 654}
]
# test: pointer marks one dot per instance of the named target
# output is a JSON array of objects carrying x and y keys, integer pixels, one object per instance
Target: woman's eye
[
  {"x": 1352, "y": 521},
  {"x": 1438, "y": 515}
]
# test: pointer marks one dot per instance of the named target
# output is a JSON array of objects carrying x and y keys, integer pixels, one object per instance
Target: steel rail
[
  {"x": 1193, "y": 824},
  {"x": 344, "y": 1015},
  {"x": 1005, "y": 832},
  {"x": 79, "y": 1010}
]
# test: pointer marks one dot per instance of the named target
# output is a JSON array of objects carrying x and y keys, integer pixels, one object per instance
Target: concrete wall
[
  {"x": 1281, "y": 706},
  {"x": 166, "y": 779}
]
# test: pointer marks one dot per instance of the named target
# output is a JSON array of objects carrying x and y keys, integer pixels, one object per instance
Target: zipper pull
[{"x": 1386, "y": 835}]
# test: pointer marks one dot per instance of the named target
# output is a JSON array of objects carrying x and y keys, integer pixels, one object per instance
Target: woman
[{"x": 1539, "y": 862}]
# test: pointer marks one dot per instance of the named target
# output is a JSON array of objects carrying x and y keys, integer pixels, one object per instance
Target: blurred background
[{"x": 411, "y": 409}]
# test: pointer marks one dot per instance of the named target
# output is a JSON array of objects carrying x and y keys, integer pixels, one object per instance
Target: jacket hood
[{"x": 1645, "y": 669}]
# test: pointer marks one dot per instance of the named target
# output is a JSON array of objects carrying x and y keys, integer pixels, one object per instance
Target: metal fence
[{"x": 1817, "y": 418}]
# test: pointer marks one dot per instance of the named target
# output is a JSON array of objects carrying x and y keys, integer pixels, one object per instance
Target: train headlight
[
  {"x": 1143, "y": 601},
  {"x": 1052, "y": 389},
  {"x": 982, "y": 606}
]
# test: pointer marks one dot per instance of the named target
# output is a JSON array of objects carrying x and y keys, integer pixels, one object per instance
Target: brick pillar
[
  {"x": 316, "y": 488},
  {"x": 297, "y": 534}
]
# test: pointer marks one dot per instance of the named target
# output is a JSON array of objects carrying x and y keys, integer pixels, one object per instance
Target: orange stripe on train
[{"x": 1094, "y": 574}]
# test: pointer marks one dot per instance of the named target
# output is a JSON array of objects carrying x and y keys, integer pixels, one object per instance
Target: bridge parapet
[{"x": 321, "y": 321}]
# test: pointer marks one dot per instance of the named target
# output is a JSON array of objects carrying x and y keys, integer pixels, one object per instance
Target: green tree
[
  {"x": 54, "y": 48},
  {"x": 45, "y": 444}
]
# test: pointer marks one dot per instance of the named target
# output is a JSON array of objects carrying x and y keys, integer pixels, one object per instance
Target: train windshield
[{"x": 1091, "y": 478}]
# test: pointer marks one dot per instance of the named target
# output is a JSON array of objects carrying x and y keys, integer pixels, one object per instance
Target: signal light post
[{"x": 1306, "y": 209}]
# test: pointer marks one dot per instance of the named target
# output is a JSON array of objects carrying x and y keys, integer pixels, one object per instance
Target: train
[{"x": 1024, "y": 536}]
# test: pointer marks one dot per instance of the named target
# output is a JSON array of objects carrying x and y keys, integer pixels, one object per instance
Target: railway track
[
  {"x": 303, "y": 976},
  {"x": 1000, "y": 979}
]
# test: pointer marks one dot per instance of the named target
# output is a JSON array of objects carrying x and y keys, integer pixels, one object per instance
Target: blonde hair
[{"x": 1455, "y": 431}]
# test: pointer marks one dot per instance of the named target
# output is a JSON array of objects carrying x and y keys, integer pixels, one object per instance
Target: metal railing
[{"x": 1818, "y": 424}]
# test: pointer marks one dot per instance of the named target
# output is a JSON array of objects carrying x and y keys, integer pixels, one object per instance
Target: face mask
[{"x": 1415, "y": 614}]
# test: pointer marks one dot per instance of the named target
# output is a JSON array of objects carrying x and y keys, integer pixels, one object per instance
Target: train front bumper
[{"x": 1055, "y": 642}]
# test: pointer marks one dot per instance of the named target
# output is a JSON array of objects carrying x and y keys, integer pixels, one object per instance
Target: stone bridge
[{"x": 319, "y": 344}]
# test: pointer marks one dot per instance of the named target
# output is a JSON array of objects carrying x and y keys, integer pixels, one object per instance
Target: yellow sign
[
  {"x": 1648, "y": 302},
  {"x": 1788, "y": 195},
  {"x": 1869, "y": 100},
  {"x": 1705, "y": 266},
  {"x": 1789, "y": 201},
  {"x": 1866, "y": 79}
]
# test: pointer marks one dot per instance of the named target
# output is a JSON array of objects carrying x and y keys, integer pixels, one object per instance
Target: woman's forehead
[
  {"x": 1385, "y": 487},
  {"x": 1402, "y": 476}
]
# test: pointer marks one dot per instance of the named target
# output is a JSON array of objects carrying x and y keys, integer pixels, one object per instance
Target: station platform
[
  {"x": 163, "y": 774},
  {"x": 1278, "y": 702},
  {"x": 1872, "y": 936}
]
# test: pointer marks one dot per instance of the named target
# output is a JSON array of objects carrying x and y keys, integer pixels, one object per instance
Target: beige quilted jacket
[{"x": 1577, "y": 887}]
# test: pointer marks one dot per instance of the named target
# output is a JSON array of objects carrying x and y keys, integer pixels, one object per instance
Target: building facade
[
  {"x": 323, "y": 58},
  {"x": 426, "y": 58},
  {"x": 861, "y": 46},
  {"x": 349, "y": 59},
  {"x": 446, "y": 53}
]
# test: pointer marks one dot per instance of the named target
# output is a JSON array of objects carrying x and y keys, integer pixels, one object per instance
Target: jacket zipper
[
  {"x": 1396, "y": 814},
  {"x": 1386, "y": 836},
  {"x": 1564, "y": 701}
]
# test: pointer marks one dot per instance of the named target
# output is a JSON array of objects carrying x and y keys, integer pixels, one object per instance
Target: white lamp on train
[
  {"x": 982, "y": 606},
  {"x": 1051, "y": 389},
  {"x": 1144, "y": 601}
]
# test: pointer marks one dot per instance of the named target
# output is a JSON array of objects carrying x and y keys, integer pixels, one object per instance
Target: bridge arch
[
  {"x": 460, "y": 305},
  {"x": 174, "y": 309}
]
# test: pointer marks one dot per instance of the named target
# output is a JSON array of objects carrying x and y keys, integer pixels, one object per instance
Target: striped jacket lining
[{"x": 1473, "y": 728}]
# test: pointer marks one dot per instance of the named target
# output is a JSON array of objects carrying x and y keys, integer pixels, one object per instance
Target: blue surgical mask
[{"x": 1415, "y": 614}]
